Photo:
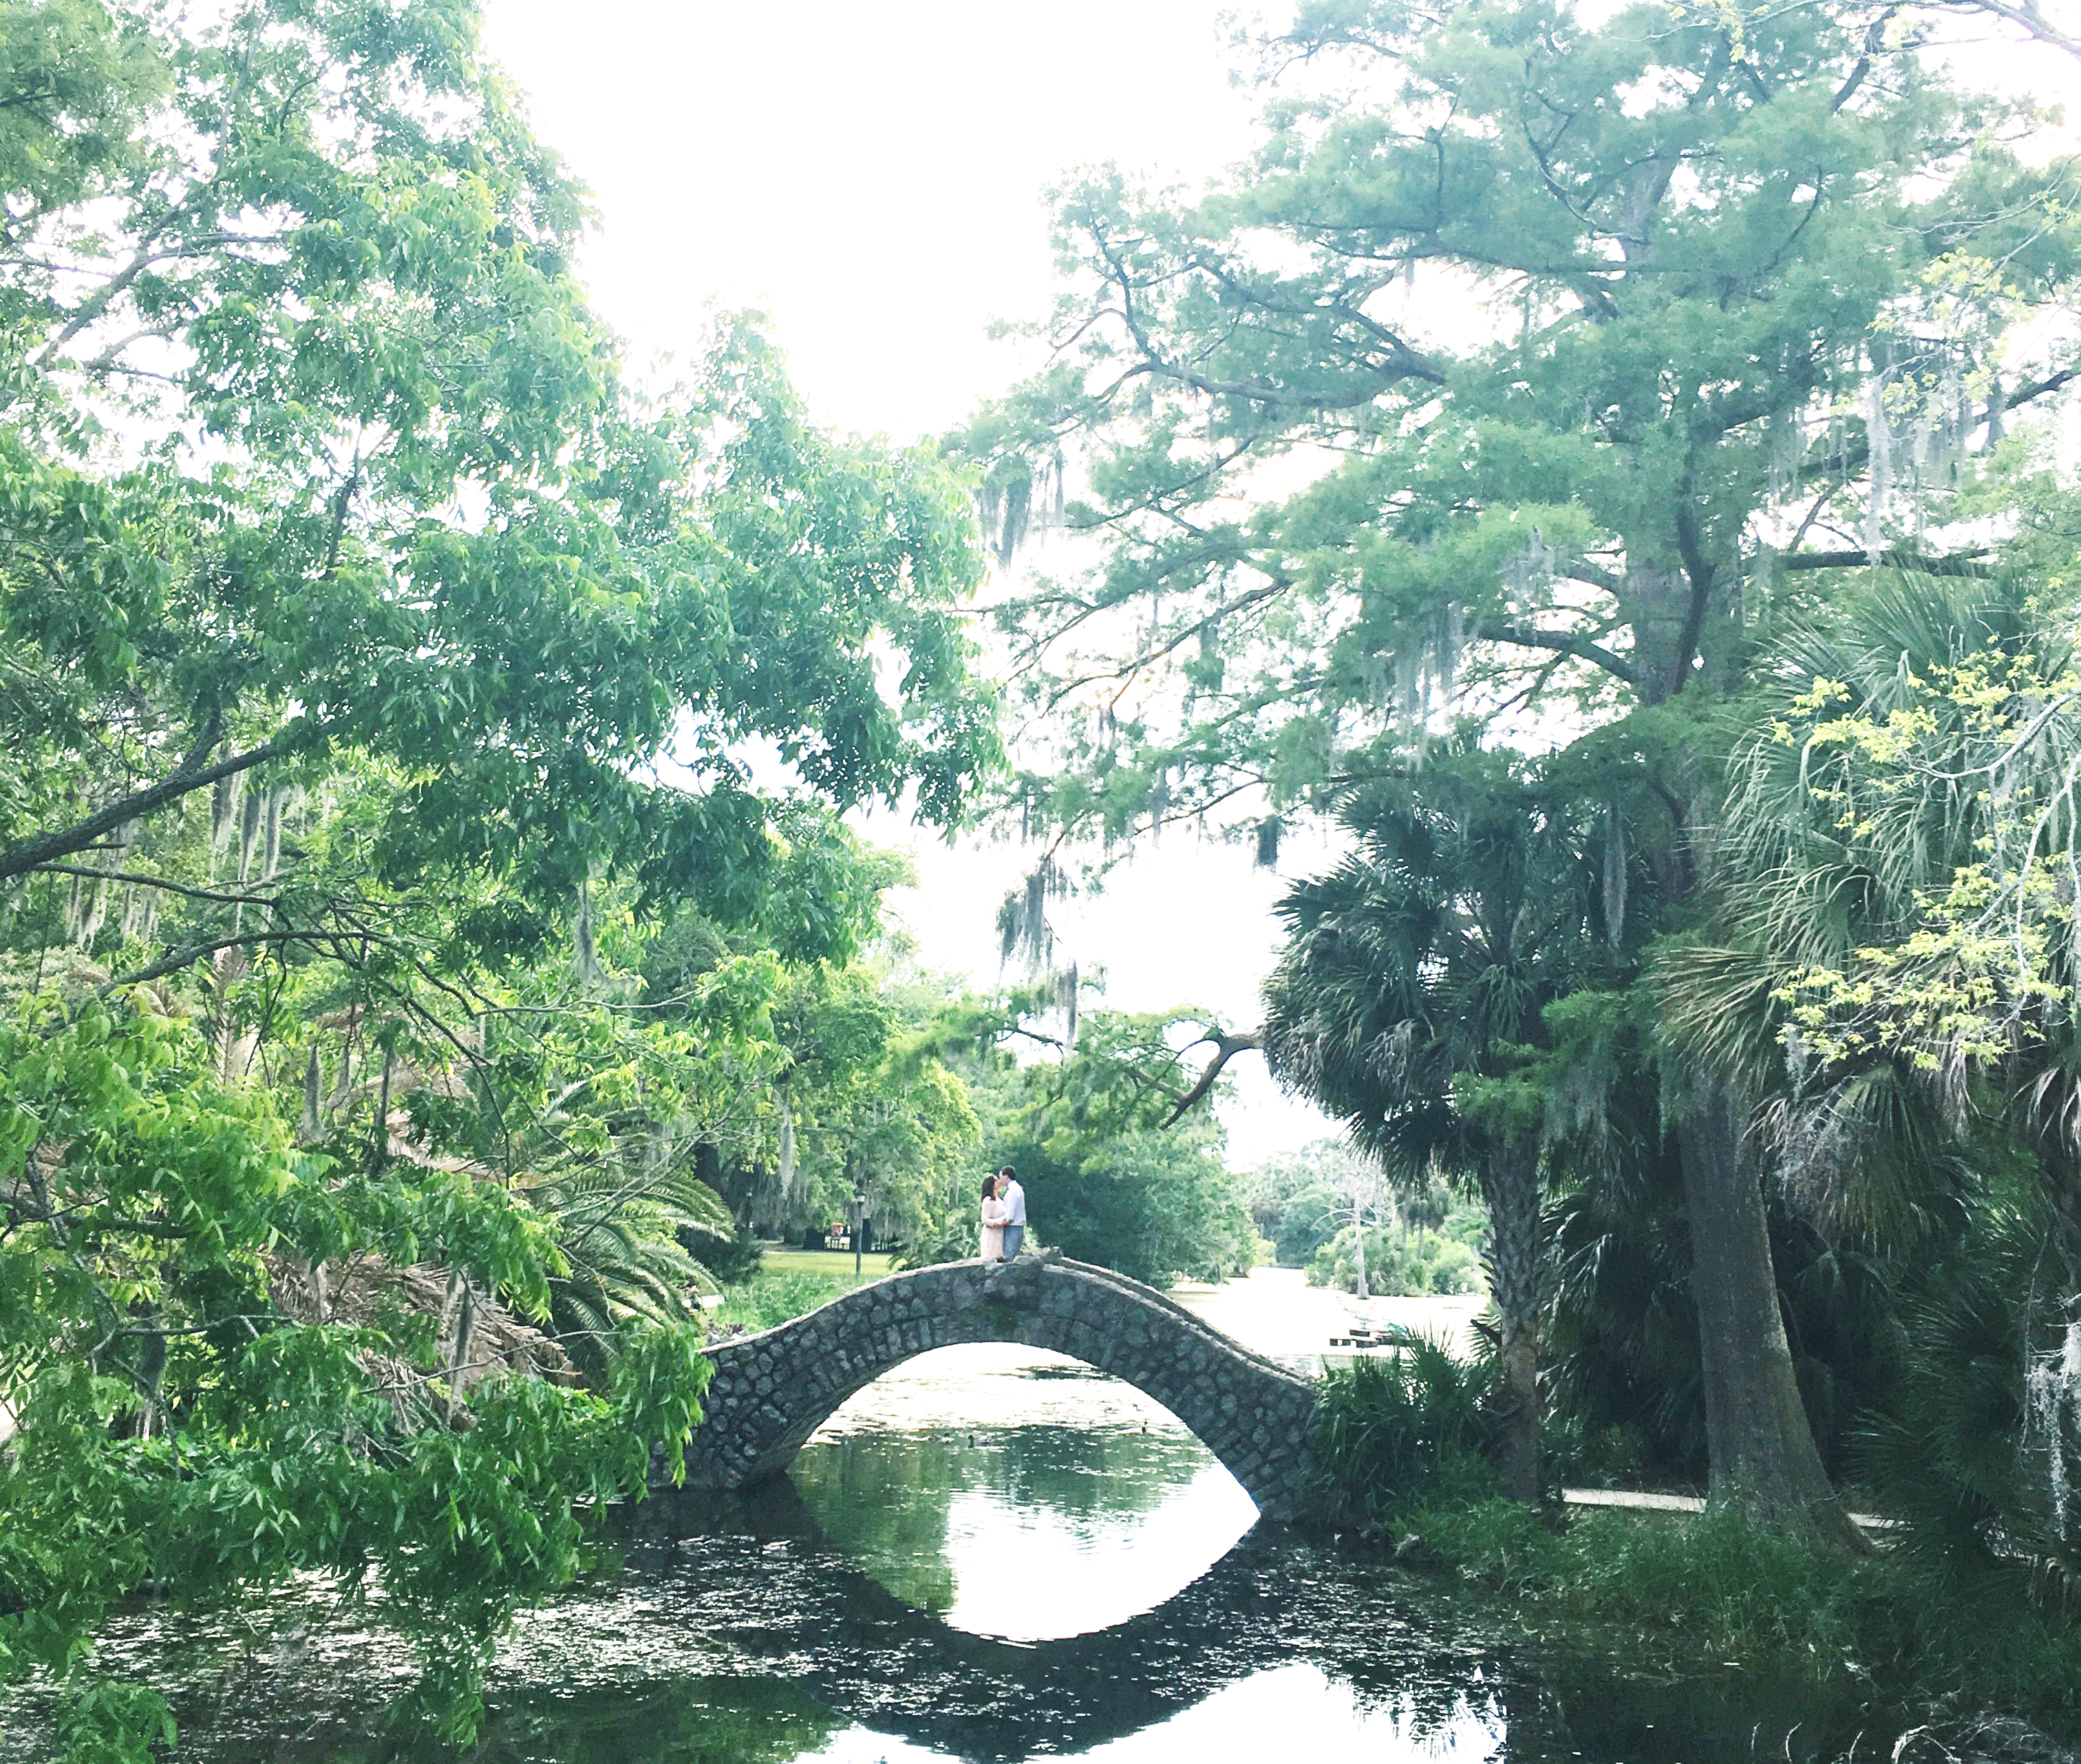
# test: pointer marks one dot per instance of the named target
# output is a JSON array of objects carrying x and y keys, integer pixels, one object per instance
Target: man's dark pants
[{"x": 1014, "y": 1236}]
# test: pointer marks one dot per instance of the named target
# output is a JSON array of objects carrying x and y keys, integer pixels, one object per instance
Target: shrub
[
  {"x": 734, "y": 1260},
  {"x": 1393, "y": 1431}
]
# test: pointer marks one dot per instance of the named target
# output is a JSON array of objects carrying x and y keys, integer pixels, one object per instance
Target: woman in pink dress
[{"x": 993, "y": 1216}]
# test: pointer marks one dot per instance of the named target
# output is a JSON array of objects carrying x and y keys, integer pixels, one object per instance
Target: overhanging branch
[
  {"x": 1571, "y": 643},
  {"x": 1964, "y": 563},
  {"x": 189, "y": 776},
  {"x": 1226, "y": 1046}
]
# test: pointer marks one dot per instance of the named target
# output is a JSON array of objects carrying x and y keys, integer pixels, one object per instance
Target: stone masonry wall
[{"x": 771, "y": 1391}]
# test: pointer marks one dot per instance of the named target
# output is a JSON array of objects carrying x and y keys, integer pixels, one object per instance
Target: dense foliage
[
  {"x": 1420, "y": 1237},
  {"x": 1406, "y": 1263},
  {"x": 1605, "y": 470},
  {"x": 393, "y": 929}
]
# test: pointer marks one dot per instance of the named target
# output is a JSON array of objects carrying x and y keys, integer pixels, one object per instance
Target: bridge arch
[{"x": 771, "y": 1391}]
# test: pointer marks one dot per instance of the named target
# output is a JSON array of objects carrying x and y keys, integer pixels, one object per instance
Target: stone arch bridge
[{"x": 772, "y": 1390}]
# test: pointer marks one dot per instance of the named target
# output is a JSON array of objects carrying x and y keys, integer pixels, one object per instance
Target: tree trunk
[
  {"x": 459, "y": 1368},
  {"x": 1761, "y": 1445},
  {"x": 1358, "y": 1242},
  {"x": 1516, "y": 1284}
]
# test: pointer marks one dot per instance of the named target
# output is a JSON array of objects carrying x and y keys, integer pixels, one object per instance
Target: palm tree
[
  {"x": 1897, "y": 858},
  {"x": 624, "y": 1225},
  {"x": 1408, "y": 1003}
]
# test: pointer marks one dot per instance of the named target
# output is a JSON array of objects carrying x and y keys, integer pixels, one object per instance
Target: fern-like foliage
[
  {"x": 629, "y": 1228},
  {"x": 1958, "y": 1453}
]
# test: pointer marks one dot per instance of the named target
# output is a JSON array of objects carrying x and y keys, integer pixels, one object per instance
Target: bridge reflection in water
[
  {"x": 1232, "y": 1653},
  {"x": 1082, "y": 1504}
]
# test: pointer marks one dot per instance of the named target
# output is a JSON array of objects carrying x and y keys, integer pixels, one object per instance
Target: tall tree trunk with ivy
[{"x": 1761, "y": 1443}]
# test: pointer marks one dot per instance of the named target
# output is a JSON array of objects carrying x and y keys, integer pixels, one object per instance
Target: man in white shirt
[{"x": 1014, "y": 1198}]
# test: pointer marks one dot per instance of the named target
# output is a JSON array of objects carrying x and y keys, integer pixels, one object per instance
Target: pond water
[{"x": 991, "y": 1554}]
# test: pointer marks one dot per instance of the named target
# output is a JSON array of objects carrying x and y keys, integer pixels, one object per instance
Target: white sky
[{"x": 875, "y": 178}]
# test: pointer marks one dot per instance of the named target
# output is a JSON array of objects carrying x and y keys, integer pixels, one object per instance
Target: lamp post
[{"x": 859, "y": 1219}]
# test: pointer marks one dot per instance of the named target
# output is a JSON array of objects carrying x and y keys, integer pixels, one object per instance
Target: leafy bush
[
  {"x": 1729, "y": 1590},
  {"x": 1396, "y": 1430},
  {"x": 1666, "y": 1593},
  {"x": 733, "y": 1260}
]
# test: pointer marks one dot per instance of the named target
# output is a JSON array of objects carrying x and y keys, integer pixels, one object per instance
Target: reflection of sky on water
[
  {"x": 1260, "y": 1718},
  {"x": 1029, "y": 1573},
  {"x": 1020, "y": 1494},
  {"x": 1053, "y": 1501}
]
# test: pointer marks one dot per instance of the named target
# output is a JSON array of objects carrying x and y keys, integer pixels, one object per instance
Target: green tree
[
  {"x": 1150, "y": 1204},
  {"x": 312, "y": 448},
  {"x": 178, "y": 1428},
  {"x": 1295, "y": 1200},
  {"x": 865, "y": 1102},
  {"x": 1088, "y": 1124},
  {"x": 1736, "y": 287},
  {"x": 1898, "y": 847},
  {"x": 1397, "y": 1265}
]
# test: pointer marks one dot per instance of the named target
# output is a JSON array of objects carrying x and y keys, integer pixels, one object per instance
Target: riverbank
[
  {"x": 1930, "y": 1642},
  {"x": 1665, "y": 1595}
]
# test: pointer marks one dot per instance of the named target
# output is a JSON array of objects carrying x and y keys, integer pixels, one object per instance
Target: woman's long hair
[{"x": 989, "y": 1188}]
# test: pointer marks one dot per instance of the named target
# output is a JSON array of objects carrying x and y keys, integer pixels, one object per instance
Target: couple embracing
[{"x": 1003, "y": 1216}]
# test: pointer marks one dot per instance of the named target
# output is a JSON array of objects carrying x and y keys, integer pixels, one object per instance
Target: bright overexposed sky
[
  {"x": 875, "y": 178},
  {"x": 871, "y": 174}
]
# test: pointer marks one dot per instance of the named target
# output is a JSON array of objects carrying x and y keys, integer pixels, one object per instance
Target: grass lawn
[
  {"x": 825, "y": 1264},
  {"x": 791, "y": 1281}
]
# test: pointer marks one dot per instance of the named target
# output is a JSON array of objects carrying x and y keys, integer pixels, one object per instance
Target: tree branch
[
  {"x": 190, "y": 774},
  {"x": 2024, "y": 13},
  {"x": 1226, "y": 1046},
  {"x": 1572, "y": 643},
  {"x": 194, "y": 952},
  {"x": 155, "y": 882},
  {"x": 1965, "y": 563}
]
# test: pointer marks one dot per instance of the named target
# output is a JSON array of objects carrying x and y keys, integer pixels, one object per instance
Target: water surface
[{"x": 991, "y": 1554}]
